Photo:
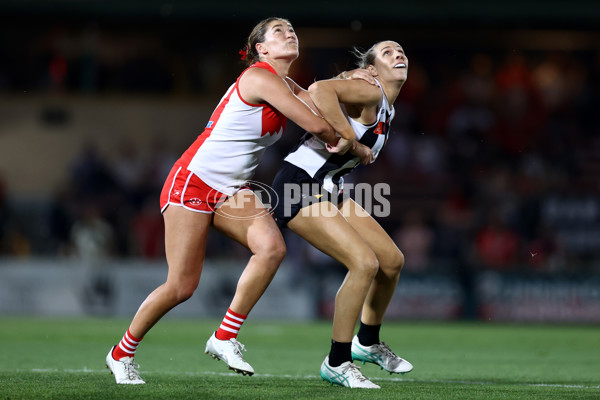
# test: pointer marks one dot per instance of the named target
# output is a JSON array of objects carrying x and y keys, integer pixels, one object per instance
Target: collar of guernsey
[{"x": 265, "y": 65}]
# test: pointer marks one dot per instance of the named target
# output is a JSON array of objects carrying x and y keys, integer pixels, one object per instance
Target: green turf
[{"x": 64, "y": 359}]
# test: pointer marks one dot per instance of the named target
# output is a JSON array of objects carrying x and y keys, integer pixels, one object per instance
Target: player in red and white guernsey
[{"x": 207, "y": 186}]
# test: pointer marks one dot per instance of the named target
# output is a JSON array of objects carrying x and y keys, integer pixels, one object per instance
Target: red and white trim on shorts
[{"x": 183, "y": 188}]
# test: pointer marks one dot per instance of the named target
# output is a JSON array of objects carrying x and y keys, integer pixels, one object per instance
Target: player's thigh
[
  {"x": 185, "y": 241},
  {"x": 372, "y": 233},
  {"x": 246, "y": 220},
  {"x": 324, "y": 227}
]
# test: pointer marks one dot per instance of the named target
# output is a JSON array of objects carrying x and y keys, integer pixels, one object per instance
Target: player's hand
[
  {"x": 358, "y": 73},
  {"x": 342, "y": 146},
  {"x": 364, "y": 153}
]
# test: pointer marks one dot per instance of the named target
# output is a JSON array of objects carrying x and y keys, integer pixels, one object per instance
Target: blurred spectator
[
  {"x": 13, "y": 236},
  {"x": 17, "y": 242},
  {"x": 497, "y": 190},
  {"x": 429, "y": 156},
  {"x": 3, "y": 216},
  {"x": 60, "y": 221},
  {"x": 470, "y": 123},
  {"x": 453, "y": 222},
  {"x": 546, "y": 252},
  {"x": 90, "y": 175},
  {"x": 450, "y": 250},
  {"x": 128, "y": 170},
  {"x": 156, "y": 166},
  {"x": 415, "y": 239},
  {"x": 127, "y": 167},
  {"x": 147, "y": 231},
  {"x": 497, "y": 245},
  {"x": 94, "y": 243},
  {"x": 92, "y": 237},
  {"x": 520, "y": 115}
]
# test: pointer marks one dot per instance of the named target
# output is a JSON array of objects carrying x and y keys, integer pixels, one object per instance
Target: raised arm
[
  {"x": 361, "y": 96},
  {"x": 304, "y": 95},
  {"x": 260, "y": 86}
]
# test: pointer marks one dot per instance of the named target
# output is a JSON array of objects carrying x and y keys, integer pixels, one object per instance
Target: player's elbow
[
  {"x": 321, "y": 129},
  {"x": 315, "y": 89},
  {"x": 318, "y": 126}
]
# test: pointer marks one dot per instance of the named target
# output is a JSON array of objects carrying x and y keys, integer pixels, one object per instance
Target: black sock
[
  {"x": 339, "y": 353},
  {"x": 368, "y": 335}
]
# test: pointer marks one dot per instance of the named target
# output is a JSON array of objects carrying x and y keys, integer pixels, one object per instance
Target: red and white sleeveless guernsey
[{"x": 227, "y": 153}]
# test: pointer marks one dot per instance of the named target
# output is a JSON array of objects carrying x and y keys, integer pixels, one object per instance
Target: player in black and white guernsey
[
  {"x": 336, "y": 224},
  {"x": 327, "y": 168}
]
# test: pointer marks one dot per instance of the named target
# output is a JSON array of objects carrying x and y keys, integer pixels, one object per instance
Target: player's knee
[
  {"x": 392, "y": 263},
  {"x": 185, "y": 293},
  {"x": 272, "y": 249},
  {"x": 397, "y": 261},
  {"x": 181, "y": 292},
  {"x": 367, "y": 264}
]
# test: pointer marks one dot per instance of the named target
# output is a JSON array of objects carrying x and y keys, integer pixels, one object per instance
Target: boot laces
[
  {"x": 237, "y": 347},
  {"x": 131, "y": 369},
  {"x": 354, "y": 370},
  {"x": 385, "y": 349}
]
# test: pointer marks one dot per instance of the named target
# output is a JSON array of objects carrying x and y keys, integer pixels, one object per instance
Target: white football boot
[
  {"x": 347, "y": 375},
  {"x": 380, "y": 354},
  {"x": 124, "y": 370},
  {"x": 230, "y": 352}
]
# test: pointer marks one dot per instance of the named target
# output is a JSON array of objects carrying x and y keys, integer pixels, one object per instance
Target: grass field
[{"x": 64, "y": 359}]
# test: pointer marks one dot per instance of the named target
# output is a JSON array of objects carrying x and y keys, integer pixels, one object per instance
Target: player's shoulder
[
  {"x": 369, "y": 94},
  {"x": 374, "y": 93},
  {"x": 260, "y": 74}
]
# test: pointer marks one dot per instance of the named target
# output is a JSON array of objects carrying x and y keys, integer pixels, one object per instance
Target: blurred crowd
[{"x": 493, "y": 163}]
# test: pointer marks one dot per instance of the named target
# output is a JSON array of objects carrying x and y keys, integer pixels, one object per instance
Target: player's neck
[
  {"x": 391, "y": 90},
  {"x": 281, "y": 66}
]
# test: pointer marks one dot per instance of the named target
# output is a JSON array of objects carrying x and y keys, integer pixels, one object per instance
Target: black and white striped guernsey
[{"x": 327, "y": 168}]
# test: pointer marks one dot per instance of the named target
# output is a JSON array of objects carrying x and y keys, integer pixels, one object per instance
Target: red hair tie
[{"x": 244, "y": 53}]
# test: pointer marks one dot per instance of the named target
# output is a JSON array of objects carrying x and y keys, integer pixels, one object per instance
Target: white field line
[{"x": 310, "y": 377}]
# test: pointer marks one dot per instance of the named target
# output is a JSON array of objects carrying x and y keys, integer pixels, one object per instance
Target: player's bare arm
[
  {"x": 363, "y": 152},
  {"x": 360, "y": 98},
  {"x": 302, "y": 94},
  {"x": 260, "y": 86},
  {"x": 355, "y": 94}
]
